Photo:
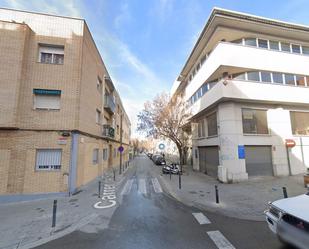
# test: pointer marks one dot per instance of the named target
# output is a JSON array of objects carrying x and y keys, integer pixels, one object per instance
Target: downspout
[{"x": 73, "y": 163}]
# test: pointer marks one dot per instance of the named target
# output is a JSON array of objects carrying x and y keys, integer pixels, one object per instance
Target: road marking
[
  {"x": 127, "y": 187},
  {"x": 220, "y": 241},
  {"x": 142, "y": 186},
  {"x": 156, "y": 185},
  {"x": 201, "y": 218}
]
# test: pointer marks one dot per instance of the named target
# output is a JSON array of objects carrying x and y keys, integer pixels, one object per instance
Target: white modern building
[{"x": 247, "y": 85}]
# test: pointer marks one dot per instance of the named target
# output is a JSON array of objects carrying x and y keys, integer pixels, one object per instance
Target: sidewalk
[
  {"x": 245, "y": 200},
  {"x": 27, "y": 224}
]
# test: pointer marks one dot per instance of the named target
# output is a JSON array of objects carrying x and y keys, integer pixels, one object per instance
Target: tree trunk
[{"x": 180, "y": 156}]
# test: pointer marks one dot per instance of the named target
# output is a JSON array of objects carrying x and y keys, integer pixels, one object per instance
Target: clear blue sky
[{"x": 145, "y": 43}]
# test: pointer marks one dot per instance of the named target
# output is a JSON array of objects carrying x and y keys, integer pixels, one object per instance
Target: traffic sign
[
  {"x": 290, "y": 143},
  {"x": 121, "y": 149}
]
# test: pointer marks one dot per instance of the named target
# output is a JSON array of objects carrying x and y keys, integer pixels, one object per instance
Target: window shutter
[
  {"x": 48, "y": 159},
  {"x": 47, "y": 102}
]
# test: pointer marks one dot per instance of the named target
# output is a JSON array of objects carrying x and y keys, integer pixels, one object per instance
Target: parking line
[
  {"x": 127, "y": 187},
  {"x": 201, "y": 218},
  {"x": 142, "y": 186},
  {"x": 156, "y": 185},
  {"x": 220, "y": 241}
]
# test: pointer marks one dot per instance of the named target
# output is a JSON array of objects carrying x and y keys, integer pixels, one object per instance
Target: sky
[{"x": 145, "y": 43}]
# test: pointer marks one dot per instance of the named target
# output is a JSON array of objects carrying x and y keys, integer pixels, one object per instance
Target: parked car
[
  {"x": 154, "y": 157},
  {"x": 172, "y": 168},
  {"x": 289, "y": 220},
  {"x": 159, "y": 160}
]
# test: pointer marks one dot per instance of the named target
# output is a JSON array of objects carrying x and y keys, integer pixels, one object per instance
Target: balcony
[
  {"x": 108, "y": 131},
  {"x": 109, "y": 104}
]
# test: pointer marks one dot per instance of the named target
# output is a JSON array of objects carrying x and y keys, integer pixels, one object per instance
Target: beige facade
[{"x": 55, "y": 120}]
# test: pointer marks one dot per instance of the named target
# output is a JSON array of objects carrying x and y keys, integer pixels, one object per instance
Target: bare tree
[
  {"x": 135, "y": 144},
  {"x": 165, "y": 117}
]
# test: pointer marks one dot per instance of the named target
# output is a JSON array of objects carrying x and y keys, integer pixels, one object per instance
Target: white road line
[
  {"x": 201, "y": 218},
  {"x": 156, "y": 185},
  {"x": 220, "y": 241},
  {"x": 142, "y": 186},
  {"x": 127, "y": 187}
]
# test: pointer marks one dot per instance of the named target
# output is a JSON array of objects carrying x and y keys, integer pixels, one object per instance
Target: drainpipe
[
  {"x": 73, "y": 163},
  {"x": 288, "y": 158}
]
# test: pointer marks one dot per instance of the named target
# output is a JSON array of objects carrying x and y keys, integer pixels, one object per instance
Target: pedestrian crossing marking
[
  {"x": 142, "y": 186},
  {"x": 220, "y": 241},
  {"x": 201, "y": 218},
  {"x": 156, "y": 185},
  {"x": 127, "y": 187}
]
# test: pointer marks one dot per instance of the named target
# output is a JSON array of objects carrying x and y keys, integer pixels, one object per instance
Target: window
[
  {"x": 95, "y": 156},
  {"x": 51, "y": 54},
  {"x": 238, "y": 41},
  {"x": 211, "y": 84},
  {"x": 285, "y": 47},
  {"x": 300, "y": 80},
  {"x": 198, "y": 66},
  {"x": 305, "y": 50},
  {"x": 47, "y": 99},
  {"x": 300, "y": 123},
  {"x": 105, "y": 154},
  {"x": 204, "y": 89},
  {"x": 98, "y": 116},
  {"x": 295, "y": 49},
  {"x": 250, "y": 42},
  {"x": 289, "y": 79},
  {"x": 274, "y": 45},
  {"x": 201, "y": 128},
  {"x": 277, "y": 78},
  {"x": 265, "y": 76},
  {"x": 253, "y": 76},
  {"x": 203, "y": 59},
  {"x": 254, "y": 121},
  {"x": 48, "y": 159},
  {"x": 212, "y": 128},
  {"x": 239, "y": 76},
  {"x": 262, "y": 43},
  {"x": 99, "y": 85}
]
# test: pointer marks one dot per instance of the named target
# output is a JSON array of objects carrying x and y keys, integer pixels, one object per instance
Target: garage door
[
  {"x": 258, "y": 160},
  {"x": 209, "y": 160}
]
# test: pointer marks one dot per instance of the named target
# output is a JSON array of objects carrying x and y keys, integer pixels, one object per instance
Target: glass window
[
  {"x": 238, "y": 41},
  {"x": 105, "y": 154},
  {"x": 277, "y": 78},
  {"x": 48, "y": 159},
  {"x": 262, "y": 43},
  {"x": 289, "y": 79},
  {"x": 274, "y": 45},
  {"x": 253, "y": 76},
  {"x": 201, "y": 128},
  {"x": 250, "y": 42},
  {"x": 46, "y": 58},
  {"x": 211, "y": 84},
  {"x": 95, "y": 156},
  {"x": 254, "y": 121},
  {"x": 285, "y": 47},
  {"x": 212, "y": 125},
  {"x": 199, "y": 93},
  {"x": 305, "y": 50},
  {"x": 198, "y": 67},
  {"x": 300, "y": 123},
  {"x": 239, "y": 76},
  {"x": 204, "y": 88},
  {"x": 52, "y": 54},
  {"x": 300, "y": 80},
  {"x": 58, "y": 59},
  {"x": 295, "y": 49},
  {"x": 265, "y": 76}
]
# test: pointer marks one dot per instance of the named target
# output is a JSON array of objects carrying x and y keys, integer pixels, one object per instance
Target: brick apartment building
[{"x": 61, "y": 118}]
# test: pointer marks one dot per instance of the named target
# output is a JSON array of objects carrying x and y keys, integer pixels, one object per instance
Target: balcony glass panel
[
  {"x": 289, "y": 79},
  {"x": 262, "y": 43},
  {"x": 274, "y": 45},
  {"x": 285, "y": 47},
  {"x": 305, "y": 50},
  {"x": 295, "y": 49},
  {"x": 277, "y": 78},
  {"x": 266, "y": 76},
  {"x": 253, "y": 76},
  {"x": 300, "y": 80},
  {"x": 250, "y": 42}
]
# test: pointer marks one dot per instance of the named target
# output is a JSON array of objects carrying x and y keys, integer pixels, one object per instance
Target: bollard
[
  {"x": 114, "y": 171},
  {"x": 99, "y": 190},
  {"x": 217, "y": 194},
  {"x": 179, "y": 180},
  {"x": 54, "y": 213},
  {"x": 285, "y": 194},
  {"x": 170, "y": 174}
]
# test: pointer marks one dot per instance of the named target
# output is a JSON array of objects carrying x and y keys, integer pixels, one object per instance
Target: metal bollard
[
  {"x": 285, "y": 194},
  {"x": 114, "y": 171},
  {"x": 170, "y": 174},
  {"x": 217, "y": 194},
  {"x": 179, "y": 173},
  {"x": 54, "y": 213},
  {"x": 99, "y": 190}
]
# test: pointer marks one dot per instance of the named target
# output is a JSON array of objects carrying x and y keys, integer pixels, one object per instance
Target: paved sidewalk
[
  {"x": 26, "y": 224},
  {"x": 245, "y": 200}
]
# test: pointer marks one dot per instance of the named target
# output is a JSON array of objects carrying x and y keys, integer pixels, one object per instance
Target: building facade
[
  {"x": 246, "y": 83},
  {"x": 61, "y": 118}
]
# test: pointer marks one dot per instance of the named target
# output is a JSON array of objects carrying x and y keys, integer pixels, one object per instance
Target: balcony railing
[
  {"x": 109, "y": 104},
  {"x": 108, "y": 131}
]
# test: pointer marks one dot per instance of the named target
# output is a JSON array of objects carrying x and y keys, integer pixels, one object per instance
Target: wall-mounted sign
[
  {"x": 290, "y": 143},
  {"x": 241, "y": 152},
  {"x": 62, "y": 140}
]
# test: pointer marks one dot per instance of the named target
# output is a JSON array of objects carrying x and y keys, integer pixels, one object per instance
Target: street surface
[{"x": 149, "y": 218}]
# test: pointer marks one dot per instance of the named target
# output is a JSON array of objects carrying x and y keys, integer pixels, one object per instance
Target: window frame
[
  {"x": 216, "y": 119},
  {"x": 49, "y": 167},
  {"x": 53, "y": 50},
  {"x": 257, "y": 133},
  {"x": 95, "y": 156}
]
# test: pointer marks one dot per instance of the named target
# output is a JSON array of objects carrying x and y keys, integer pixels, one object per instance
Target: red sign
[{"x": 290, "y": 143}]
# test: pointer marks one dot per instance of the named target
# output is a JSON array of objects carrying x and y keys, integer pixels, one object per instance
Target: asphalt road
[{"x": 150, "y": 219}]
